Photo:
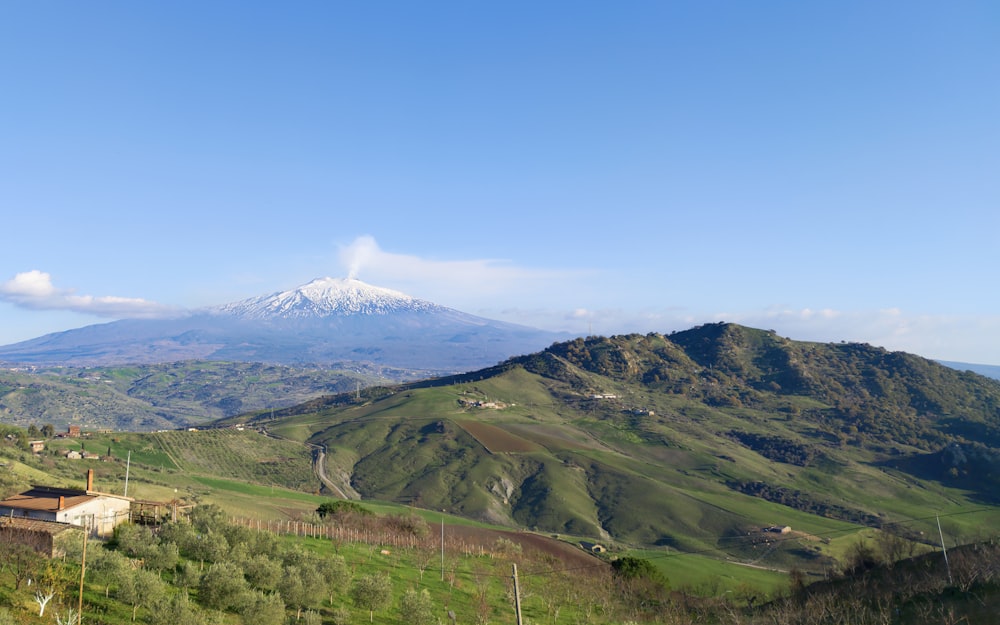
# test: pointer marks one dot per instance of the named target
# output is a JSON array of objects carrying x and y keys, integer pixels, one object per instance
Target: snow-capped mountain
[
  {"x": 324, "y": 322},
  {"x": 328, "y": 296}
]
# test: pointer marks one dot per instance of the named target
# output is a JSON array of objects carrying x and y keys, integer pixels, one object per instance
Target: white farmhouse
[{"x": 96, "y": 512}]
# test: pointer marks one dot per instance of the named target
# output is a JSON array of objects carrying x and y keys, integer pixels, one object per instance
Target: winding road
[
  {"x": 318, "y": 464},
  {"x": 319, "y": 467}
]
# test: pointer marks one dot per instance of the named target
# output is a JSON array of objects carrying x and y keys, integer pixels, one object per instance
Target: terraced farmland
[{"x": 242, "y": 455}]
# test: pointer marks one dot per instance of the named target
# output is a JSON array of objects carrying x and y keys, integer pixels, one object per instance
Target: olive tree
[
  {"x": 416, "y": 607},
  {"x": 139, "y": 588},
  {"x": 222, "y": 586},
  {"x": 372, "y": 592}
]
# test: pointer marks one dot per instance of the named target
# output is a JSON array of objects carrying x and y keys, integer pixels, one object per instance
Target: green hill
[{"x": 695, "y": 441}]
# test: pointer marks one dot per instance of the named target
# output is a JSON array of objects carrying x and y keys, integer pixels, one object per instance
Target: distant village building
[
  {"x": 73, "y": 431},
  {"x": 98, "y": 513},
  {"x": 593, "y": 547},
  {"x": 37, "y": 447},
  {"x": 477, "y": 403},
  {"x": 73, "y": 454}
]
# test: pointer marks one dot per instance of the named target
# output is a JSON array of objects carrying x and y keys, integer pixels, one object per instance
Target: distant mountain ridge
[
  {"x": 326, "y": 322},
  {"x": 990, "y": 371}
]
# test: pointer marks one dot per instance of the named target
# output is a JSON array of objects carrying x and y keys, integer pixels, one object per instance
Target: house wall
[
  {"x": 99, "y": 516},
  {"x": 41, "y": 542}
]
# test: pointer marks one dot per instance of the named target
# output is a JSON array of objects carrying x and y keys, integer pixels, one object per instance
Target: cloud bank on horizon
[{"x": 501, "y": 289}]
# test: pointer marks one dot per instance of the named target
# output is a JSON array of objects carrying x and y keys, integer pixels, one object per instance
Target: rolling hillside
[
  {"x": 695, "y": 440},
  {"x": 164, "y": 396}
]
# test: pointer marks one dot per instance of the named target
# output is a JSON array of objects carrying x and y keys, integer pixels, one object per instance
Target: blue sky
[{"x": 827, "y": 170}]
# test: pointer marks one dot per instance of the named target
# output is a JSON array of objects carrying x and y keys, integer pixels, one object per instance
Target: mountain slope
[
  {"x": 323, "y": 323},
  {"x": 695, "y": 440}
]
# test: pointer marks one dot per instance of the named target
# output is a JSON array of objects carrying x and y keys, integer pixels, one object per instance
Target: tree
[
  {"x": 302, "y": 585},
  {"x": 340, "y": 616},
  {"x": 108, "y": 567},
  {"x": 70, "y": 617},
  {"x": 21, "y": 560},
  {"x": 207, "y": 517},
  {"x": 331, "y": 508},
  {"x": 174, "y": 610},
  {"x": 161, "y": 557},
  {"x": 639, "y": 582},
  {"x": 188, "y": 575},
  {"x": 211, "y": 546},
  {"x": 182, "y": 534},
  {"x": 139, "y": 588},
  {"x": 372, "y": 592},
  {"x": 416, "y": 607},
  {"x": 48, "y": 584},
  {"x": 221, "y": 586},
  {"x": 262, "y": 572},
  {"x": 337, "y": 575},
  {"x": 133, "y": 540},
  {"x": 43, "y": 598},
  {"x": 311, "y": 617},
  {"x": 263, "y": 608},
  {"x": 48, "y": 430}
]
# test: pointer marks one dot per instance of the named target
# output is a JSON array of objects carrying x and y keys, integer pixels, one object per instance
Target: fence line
[{"x": 368, "y": 536}]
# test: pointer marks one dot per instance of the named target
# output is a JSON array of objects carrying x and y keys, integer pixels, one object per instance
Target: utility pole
[
  {"x": 83, "y": 570},
  {"x": 128, "y": 464},
  {"x": 517, "y": 597},
  {"x": 943, "y": 550}
]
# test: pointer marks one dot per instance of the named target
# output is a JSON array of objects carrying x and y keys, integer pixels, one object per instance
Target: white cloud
[
  {"x": 34, "y": 290},
  {"x": 447, "y": 280},
  {"x": 28, "y": 285}
]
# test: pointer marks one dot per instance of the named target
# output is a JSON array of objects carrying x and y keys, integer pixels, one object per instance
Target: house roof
[
  {"x": 48, "y": 498},
  {"x": 36, "y": 525}
]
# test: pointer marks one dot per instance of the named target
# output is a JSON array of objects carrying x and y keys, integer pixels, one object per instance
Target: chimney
[
  {"x": 62, "y": 502},
  {"x": 90, "y": 480}
]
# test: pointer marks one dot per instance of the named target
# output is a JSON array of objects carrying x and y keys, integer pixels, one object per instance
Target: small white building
[{"x": 98, "y": 513}]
